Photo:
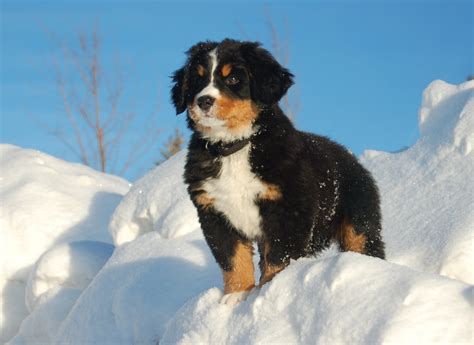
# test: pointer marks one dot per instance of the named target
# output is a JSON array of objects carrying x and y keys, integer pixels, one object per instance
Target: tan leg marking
[
  {"x": 268, "y": 271},
  {"x": 226, "y": 69},
  {"x": 349, "y": 240},
  {"x": 240, "y": 278},
  {"x": 204, "y": 200},
  {"x": 272, "y": 193}
]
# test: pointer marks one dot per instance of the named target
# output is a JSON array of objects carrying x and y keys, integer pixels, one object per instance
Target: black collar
[{"x": 221, "y": 149}]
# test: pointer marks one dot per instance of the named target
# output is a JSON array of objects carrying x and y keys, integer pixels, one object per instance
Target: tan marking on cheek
[
  {"x": 205, "y": 200},
  {"x": 240, "y": 277},
  {"x": 226, "y": 69},
  {"x": 272, "y": 192},
  {"x": 237, "y": 113},
  {"x": 269, "y": 271},
  {"x": 349, "y": 240},
  {"x": 201, "y": 70},
  {"x": 192, "y": 114}
]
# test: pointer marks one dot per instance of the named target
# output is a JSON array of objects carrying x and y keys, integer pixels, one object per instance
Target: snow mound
[
  {"x": 71, "y": 265},
  {"x": 345, "y": 299},
  {"x": 427, "y": 190},
  {"x": 443, "y": 116},
  {"x": 157, "y": 202},
  {"x": 45, "y": 201},
  {"x": 139, "y": 289},
  {"x": 41, "y": 325},
  {"x": 146, "y": 293},
  {"x": 54, "y": 285}
]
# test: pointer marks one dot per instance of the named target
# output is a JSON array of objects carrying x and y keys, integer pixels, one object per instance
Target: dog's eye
[{"x": 232, "y": 80}]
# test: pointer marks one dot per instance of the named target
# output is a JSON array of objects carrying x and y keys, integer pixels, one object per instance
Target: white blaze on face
[
  {"x": 212, "y": 127},
  {"x": 208, "y": 119},
  {"x": 210, "y": 89}
]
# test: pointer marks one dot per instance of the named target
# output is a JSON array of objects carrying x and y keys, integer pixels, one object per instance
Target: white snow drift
[
  {"x": 150, "y": 205},
  {"x": 343, "y": 299},
  {"x": 162, "y": 284},
  {"x": 428, "y": 190},
  {"x": 45, "y": 202}
]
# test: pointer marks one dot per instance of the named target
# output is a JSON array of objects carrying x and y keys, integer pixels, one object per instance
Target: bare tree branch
[
  {"x": 281, "y": 50},
  {"x": 173, "y": 145},
  {"x": 99, "y": 124},
  {"x": 71, "y": 118}
]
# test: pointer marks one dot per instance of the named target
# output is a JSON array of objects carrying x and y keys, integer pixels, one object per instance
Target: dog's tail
[{"x": 361, "y": 225}]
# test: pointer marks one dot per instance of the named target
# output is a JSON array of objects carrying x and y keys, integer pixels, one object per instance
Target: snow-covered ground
[
  {"x": 45, "y": 204},
  {"x": 428, "y": 189},
  {"x": 162, "y": 284}
]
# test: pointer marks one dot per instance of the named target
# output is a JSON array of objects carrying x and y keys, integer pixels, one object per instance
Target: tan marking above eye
[
  {"x": 226, "y": 69},
  {"x": 201, "y": 70}
]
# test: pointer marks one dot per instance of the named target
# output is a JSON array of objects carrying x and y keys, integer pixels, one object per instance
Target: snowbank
[
  {"x": 157, "y": 202},
  {"x": 139, "y": 290},
  {"x": 344, "y": 299},
  {"x": 44, "y": 202},
  {"x": 427, "y": 191},
  {"x": 161, "y": 283},
  {"x": 55, "y": 283},
  {"x": 168, "y": 279},
  {"x": 71, "y": 265}
]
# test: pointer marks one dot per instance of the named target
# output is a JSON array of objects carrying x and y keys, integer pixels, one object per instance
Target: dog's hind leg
[{"x": 267, "y": 269}]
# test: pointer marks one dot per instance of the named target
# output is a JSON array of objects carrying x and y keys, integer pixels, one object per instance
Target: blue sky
[{"x": 360, "y": 66}]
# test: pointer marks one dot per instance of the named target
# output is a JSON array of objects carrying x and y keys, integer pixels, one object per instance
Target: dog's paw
[{"x": 232, "y": 299}]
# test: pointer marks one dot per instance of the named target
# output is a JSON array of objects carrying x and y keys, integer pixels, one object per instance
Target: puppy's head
[{"x": 225, "y": 85}]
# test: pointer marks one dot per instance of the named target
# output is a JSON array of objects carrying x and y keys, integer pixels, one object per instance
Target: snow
[
  {"x": 144, "y": 283},
  {"x": 325, "y": 302},
  {"x": 55, "y": 283},
  {"x": 427, "y": 190},
  {"x": 45, "y": 202},
  {"x": 161, "y": 283},
  {"x": 71, "y": 265},
  {"x": 157, "y": 202}
]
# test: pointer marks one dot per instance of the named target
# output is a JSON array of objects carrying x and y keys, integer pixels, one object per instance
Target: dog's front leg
[
  {"x": 239, "y": 277},
  {"x": 232, "y": 252}
]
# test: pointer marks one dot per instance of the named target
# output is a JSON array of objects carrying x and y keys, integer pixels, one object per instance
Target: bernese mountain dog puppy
[{"x": 253, "y": 177}]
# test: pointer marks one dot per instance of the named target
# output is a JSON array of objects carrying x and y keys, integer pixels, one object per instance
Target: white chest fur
[{"x": 234, "y": 192}]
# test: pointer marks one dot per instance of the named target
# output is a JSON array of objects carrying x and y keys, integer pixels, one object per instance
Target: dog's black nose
[{"x": 205, "y": 102}]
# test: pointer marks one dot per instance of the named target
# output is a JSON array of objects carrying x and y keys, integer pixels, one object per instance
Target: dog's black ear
[
  {"x": 179, "y": 90},
  {"x": 269, "y": 80}
]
